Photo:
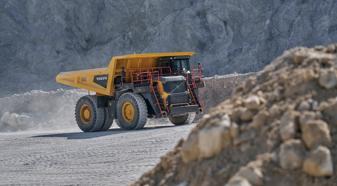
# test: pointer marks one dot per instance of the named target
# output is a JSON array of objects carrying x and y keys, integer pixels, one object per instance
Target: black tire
[
  {"x": 139, "y": 118},
  {"x": 108, "y": 119},
  {"x": 95, "y": 121},
  {"x": 180, "y": 120}
]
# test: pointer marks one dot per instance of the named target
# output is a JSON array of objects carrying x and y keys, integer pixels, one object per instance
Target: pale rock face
[
  {"x": 304, "y": 105},
  {"x": 209, "y": 141},
  {"x": 251, "y": 174},
  {"x": 315, "y": 133},
  {"x": 212, "y": 139},
  {"x": 288, "y": 126},
  {"x": 330, "y": 111},
  {"x": 246, "y": 114},
  {"x": 291, "y": 154},
  {"x": 328, "y": 78},
  {"x": 238, "y": 181},
  {"x": 260, "y": 119},
  {"x": 307, "y": 105},
  {"x": 252, "y": 102},
  {"x": 319, "y": 162},
  {"x": 190, "y": 148},
  {"x": 305, "y": 117}
]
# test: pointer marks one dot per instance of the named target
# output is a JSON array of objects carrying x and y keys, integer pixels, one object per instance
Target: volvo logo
[{"x": 101, "y": 78}]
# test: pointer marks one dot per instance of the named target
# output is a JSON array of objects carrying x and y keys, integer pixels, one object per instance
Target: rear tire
[
  {"x": 131, "y": 111},
  {"x": 88, "y": 116},
  {"x": 180, "y": 120}
]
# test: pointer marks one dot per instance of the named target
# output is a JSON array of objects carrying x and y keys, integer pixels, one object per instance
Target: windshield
[
  {"x": 180, "y": 65},
  {"x": 177, "y": 64}
]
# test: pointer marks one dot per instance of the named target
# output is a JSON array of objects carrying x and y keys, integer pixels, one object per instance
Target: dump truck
[{"x": 134, "y": 88}]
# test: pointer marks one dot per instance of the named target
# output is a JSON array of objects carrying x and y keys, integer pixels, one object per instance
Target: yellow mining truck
[{"x": 136, "y": 87}]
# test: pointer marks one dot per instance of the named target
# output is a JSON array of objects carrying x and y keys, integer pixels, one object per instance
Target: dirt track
[{"x": 115, "y": 157}]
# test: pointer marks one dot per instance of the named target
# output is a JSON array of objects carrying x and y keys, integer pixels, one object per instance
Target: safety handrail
[{"x": 141, "y": 75}]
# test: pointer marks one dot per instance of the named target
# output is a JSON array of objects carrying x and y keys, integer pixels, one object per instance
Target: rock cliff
[{"x": 39, "y": 38}]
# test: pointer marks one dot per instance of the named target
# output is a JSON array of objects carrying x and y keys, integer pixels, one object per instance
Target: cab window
[{"x": 180, "y": 65}]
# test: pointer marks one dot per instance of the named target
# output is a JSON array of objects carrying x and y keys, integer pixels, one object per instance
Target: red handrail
[{"x": 155, "y": 72}]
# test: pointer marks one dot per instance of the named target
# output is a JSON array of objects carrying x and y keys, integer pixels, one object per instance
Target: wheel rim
[
  {"x": 85, "y": 113},
  {"x": 128, "y": 111}
]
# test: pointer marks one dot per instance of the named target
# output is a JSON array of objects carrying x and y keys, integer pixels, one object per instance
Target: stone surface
[
  {"x": 252, "y": 174},
  {"x": 304, "y": 105},
  {"x": 328, "y": 78},
  {"x": 260, "y": 119},
  {"x": 190, "y": 149},
  {"x": 315, "y": 133},
  {"x": 39, "y": 38},
  {"x": 319, "y": 162},
  {"x": 212, "y": 140},
  {"x": 291, "y": 154},
  {"x": 246, "y": 114},
  {"x": 305, "y": 117},
  {"x": 253, "y": 102},
  {"x": 329, "y": 110},
  {"x": 238, "y": 181},
  {"x": 307, "y": 105},
  {"x": 288, "y": 126}
]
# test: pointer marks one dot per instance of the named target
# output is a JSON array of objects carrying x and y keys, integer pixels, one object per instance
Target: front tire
[
  {"x": 88, "y": 116},
  {"x": 131, "y": 111},
  {"x": 180, "y": 120}
]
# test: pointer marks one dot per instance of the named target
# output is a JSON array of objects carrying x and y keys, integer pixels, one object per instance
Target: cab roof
[{"x": 155, "y": 55}]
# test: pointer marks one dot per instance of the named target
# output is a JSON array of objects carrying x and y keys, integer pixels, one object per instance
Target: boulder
[
  {"x": 288, "y": 126},
  {"x": 291, "y": 154},
  {"x": 307, "y": 116},
  {"x": 319, "y": 162},
  {"x": 306, "y": 105},
  {"x": 246, "y": 114},
  {"x": 234, "y": 130},
  {"x": 212, "y": 139},
  {"x": 315, "y": 133},
  {"x": 238, "y": 181},
  {"x": 260, "y": 119},
  {"x": 252, "y": 174},
  {"x": 328, "y": 78},
  {"x": 252, "y": 102},
  {"x": 190, "y": 148},
  {"x": 329, "y": 109}
]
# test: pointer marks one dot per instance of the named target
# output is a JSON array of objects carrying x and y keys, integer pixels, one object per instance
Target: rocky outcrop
[
  {"x": 278, "y": 128},
  {"x": 39, "y": 38}
]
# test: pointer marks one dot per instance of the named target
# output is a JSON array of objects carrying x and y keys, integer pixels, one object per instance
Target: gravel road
[{"x": 71, "y": 157}]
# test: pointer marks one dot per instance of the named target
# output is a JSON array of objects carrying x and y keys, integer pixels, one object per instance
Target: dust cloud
[{"x": 39, "y": 110}]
